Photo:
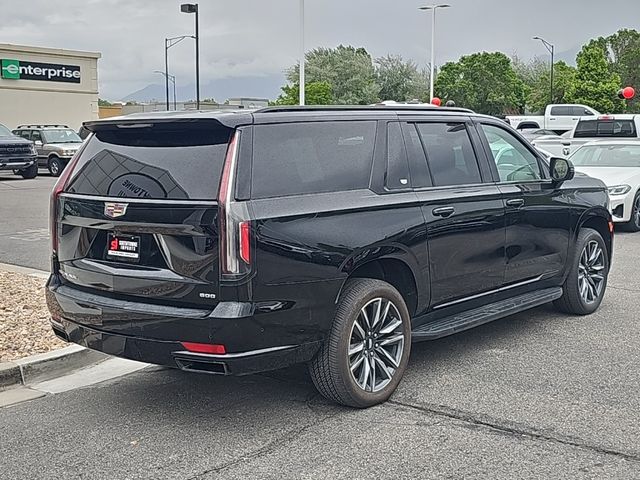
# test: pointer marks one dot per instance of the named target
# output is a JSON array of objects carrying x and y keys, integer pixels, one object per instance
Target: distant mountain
[{"x": 220, "y": 89}]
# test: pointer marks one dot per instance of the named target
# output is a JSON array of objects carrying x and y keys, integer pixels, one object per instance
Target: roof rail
[
  {"x": 351, "y": 108},
  {"x": 43, "y": 126}
]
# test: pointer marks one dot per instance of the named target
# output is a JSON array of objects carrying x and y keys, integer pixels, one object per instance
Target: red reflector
[
  {"x": 605, "y": 117},
  {"x": 245, "y": 242},
  {"x": 205, "y": 348}
]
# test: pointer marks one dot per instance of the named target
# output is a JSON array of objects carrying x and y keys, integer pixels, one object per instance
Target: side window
[
  {"x": 311, "y": 157},
  {"x": 563, "y": 111},
  {"x": 514, "y": 161},
  {"x": 587, "y": 113},
  {"x": 36, "y": 135},
  {"x": 397, "y": 167},
  {"x": 450, "y": 154}
]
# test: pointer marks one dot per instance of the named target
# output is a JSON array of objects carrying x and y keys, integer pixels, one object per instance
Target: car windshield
[
  {"x": 61, "y": 136},
  {"x": 4, "y": 131},
  {"x": 607, "y": 156}
]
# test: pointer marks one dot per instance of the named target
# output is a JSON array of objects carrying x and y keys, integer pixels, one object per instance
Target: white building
[{"x": 47, "y": 85}]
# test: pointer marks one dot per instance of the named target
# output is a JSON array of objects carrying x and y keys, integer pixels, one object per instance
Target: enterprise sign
[{"x": 46, "y": 72}]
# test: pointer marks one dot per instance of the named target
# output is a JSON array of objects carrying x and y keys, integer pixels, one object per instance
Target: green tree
[
  {"x": 104, "y": 103},
  {"x": 484, "y": 82},
  {"x": 564, "y": 77},
  {"x": 623, "y": 54},
  {"x": 401, "y": 80},
  {"x": 348, "y": 70},
  {"x": 316, "y": 93},
  {"x": 595, "y": 84}
]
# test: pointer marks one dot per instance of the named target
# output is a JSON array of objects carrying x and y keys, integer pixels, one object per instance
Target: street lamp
[
  {"x": 168, "y": 43},
  {"x": 551, "y": 48},
  {"x": 168, "y": 78},
  {"x": 302, "y": 57},
  {"x": 193, "y": 8},
  {"x": 433, "y": 40}
]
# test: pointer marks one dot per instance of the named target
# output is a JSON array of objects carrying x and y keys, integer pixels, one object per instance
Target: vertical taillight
[
  {"x": 245, "y": 242},
  {"x": 58, "y": 188},
  {"x": 235, "y": 230}
]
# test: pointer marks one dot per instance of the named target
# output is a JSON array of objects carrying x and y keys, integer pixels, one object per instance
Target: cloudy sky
[{"x": 243, "y": 38}]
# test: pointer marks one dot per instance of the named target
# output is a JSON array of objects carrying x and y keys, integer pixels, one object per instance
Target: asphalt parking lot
[{"x": 537, "y": 395}]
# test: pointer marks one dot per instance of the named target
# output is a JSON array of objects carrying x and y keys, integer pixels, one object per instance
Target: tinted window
[
  {"x": 36, "y": 135},
  {"x": 312, "y": 157},
  {"x": 158, "y": 162},
  {"x": 606, "y": 128},
  {"x": 450, "y": 154},
  {"x": 561, "y": 111},
  {"x": 397, "y": 168},
  {"x": 514, "y": 161}
]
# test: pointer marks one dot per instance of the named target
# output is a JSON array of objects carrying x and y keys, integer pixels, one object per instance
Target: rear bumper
[
  {"x": 173, "y": 354},
  {"x": 255, "y": 338}
]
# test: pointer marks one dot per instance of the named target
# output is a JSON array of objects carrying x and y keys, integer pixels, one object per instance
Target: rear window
[
  {"x": 312, "y": 157},
  {"x": 605, "y": 128},
  {"x": 156, "y": 162}
]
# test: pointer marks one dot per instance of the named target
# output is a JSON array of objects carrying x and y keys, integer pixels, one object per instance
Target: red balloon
[
  {"x": 628, "y": 93},
  {"x": 436, "y": 101}
]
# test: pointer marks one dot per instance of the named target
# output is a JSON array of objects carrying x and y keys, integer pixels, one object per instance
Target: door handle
[
  {"x": 443, "y": 211},
  {"x": 515, "y": 202}
]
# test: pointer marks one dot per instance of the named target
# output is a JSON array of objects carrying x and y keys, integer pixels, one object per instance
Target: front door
[
  {"x": 538, "y": 216},
  {"x": 464, "y": 215}
]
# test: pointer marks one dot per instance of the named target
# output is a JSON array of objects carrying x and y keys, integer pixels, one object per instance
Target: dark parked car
[
  {"x": 56, "y": 144},
  {"x": 17, "y": 154},
  {"x": 233, "y": 243}
]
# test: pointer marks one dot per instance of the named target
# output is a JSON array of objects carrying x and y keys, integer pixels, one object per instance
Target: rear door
[
  {"x": 560, "y": 118},
  {"x": 464, "y": 215},
  {"x": 139, "y": 217}
]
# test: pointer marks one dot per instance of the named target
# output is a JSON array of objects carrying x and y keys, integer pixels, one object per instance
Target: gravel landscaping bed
[{"x": 24, "y": 318}]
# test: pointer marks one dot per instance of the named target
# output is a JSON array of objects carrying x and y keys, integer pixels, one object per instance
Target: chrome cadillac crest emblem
[{"x": 115, "y": 210}]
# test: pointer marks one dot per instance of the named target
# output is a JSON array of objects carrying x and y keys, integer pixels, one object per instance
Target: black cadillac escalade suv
[{"x": 233, "y": 243}]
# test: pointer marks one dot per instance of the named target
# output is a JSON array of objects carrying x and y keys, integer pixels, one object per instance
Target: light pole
[
  {"x": 433, "y": 41},
  {"x": 171, "y": 78},
  {"x": 551, "y": 48},
  {"x": 168, "y": 43},
  {"x": 193, "y": 8},
  {"x": 302, "y": 57}
]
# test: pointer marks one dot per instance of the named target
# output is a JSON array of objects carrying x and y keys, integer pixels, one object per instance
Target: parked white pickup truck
[
  {"x": 588, "y": 129},
  {"x": 559, "y": 118}
]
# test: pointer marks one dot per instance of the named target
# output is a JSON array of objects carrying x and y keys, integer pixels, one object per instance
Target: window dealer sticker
[{"x": 136, "y": 185}]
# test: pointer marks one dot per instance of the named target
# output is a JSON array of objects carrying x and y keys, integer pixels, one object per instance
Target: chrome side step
[{"x": 488, "y": 313}]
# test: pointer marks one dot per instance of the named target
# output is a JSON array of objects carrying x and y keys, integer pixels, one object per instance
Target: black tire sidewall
[
  {"x": 360, "y": 397},
  {"x": 29, "y": 173},
  {"x": 631, "y": 225}
]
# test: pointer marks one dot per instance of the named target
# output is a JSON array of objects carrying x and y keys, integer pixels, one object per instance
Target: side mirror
[
  {"x": 561, "y": 170},
  {"x": 38, "y": 143}
]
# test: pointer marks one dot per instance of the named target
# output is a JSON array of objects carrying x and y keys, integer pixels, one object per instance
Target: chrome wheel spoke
[
  {"x": 390, "y": 327},
  {"x": 357, "y": 348},
  {"x": 376, "y": 345},
  {"x": 382, "y": 352},
  {"x": 591, "y": 272}
]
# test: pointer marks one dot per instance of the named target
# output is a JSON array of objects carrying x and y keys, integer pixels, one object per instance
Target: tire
[
  {"x": 331, "y": 370},
  {"x": 30, "y": 172},
  {"x": 575, "y": 300},
  {"x": 55, "y": 166},
  {"x": 633, "y": 225}
]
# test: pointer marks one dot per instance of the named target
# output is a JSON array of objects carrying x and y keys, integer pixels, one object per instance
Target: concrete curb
[
  {"x": 32, "y": 272},
  {"x": 46, "y": 366}
]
